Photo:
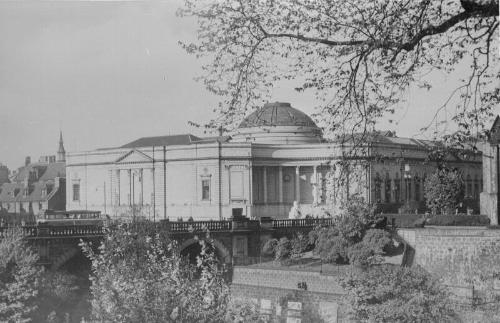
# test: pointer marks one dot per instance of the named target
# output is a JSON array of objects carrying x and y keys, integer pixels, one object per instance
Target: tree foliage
[
  {"x": 358, "y": 58},
  {"x": 138, "y": 276},
  {"x": 379, "y": 240},
  {"x": 444, "y": 190},
  {"x": 387, "y": 293},
  {"x": 19, "y": 278}
]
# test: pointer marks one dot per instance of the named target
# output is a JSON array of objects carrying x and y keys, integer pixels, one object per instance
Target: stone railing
[
  {"x": 83, "y": 230},
  {"x": 198, "y": 226},
  {"x": 33, "y": 231},
  {"x": 302, "y": 223}
]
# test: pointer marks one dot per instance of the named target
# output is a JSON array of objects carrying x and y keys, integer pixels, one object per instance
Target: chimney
[{"x": 27, "y": 161}]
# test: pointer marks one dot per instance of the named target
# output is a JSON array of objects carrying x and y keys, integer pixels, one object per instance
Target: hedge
[{"x": 458, "y": 220}]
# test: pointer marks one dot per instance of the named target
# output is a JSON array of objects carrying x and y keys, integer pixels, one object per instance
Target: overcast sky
[{"x": 106, "y": 73}]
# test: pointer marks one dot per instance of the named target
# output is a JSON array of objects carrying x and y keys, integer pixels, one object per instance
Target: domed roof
[
  {"x": 277, "y": 114},
  {"x": 278, "y": 123}
]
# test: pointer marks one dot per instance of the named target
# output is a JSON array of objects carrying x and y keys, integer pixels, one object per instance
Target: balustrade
[{"x": 32, "y": 231}]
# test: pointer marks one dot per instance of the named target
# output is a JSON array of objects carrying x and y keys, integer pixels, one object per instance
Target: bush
[
  {"x": 389, "y": 293},
  {"x": 299, "y": 245},
  {"x": 359, "y": 254},
  {"x": 332, "y": 249},
  {"x": 269, "y": 247},
  {"x": 444, "y": 190},
  {"x": 459, "y": 220},
  {"x": 283, "y": 249},
  {"x": 356, "y": 217},
  {"x": 379, "y": 240}
]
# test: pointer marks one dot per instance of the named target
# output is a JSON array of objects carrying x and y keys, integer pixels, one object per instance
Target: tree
[
  {"x": 444, "y": 190},
  {"x": 138, "y": 276},
  {"x": 358, "y": 58},
  {"x": 387, "y": 293},
  {"x": 19, "y": 278}
]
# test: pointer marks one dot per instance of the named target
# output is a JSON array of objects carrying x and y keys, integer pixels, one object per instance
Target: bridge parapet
[
  {"x": 197, "y": 226},
  {"x": 91, "y": 230},
  {"x": 73, "y": 231}
]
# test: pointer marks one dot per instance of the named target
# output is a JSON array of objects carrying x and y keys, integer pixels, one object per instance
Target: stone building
[
  {"x": 275, "y": 157},
  {"x": 490, "y": 203},
  {"x": 4, "y": 174},
  {"x": 35, "y": 187}
]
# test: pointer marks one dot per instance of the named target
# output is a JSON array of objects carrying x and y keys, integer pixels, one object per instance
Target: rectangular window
[
  {"x": 76, "y": 192},
  {"x": 236, "y": 185},
  {"x": 205, "y": 189}
]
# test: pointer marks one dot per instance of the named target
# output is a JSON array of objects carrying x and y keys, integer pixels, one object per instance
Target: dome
[{"x": 278, "y": 123}]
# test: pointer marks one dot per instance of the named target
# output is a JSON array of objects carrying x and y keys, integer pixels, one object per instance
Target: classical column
[
  {"x": 297, "y": 184},
  {"x": 129, "y": 175},
  {"x": 315, "y": 185},
  {"x": 280, "y": 184},
  {"x": 117, "y": 188},
  {"x": 153, "y": 194},
  {"x": 264, "y": 179},
  {"x": 141, "y": 179}
]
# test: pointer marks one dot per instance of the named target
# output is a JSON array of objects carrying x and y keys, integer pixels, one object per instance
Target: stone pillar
[
  {"x": 315, "y": 185},
  {"x": 280, "y": 184},
  {"x": 117, "y": 188},
  {"x": 153, "y": 195},
  {"x": 264, "y": 179},
  {"x": 129, "y": 176},
  {"x": 297, "y": 184},
  {"x": 141, "y": 179}
]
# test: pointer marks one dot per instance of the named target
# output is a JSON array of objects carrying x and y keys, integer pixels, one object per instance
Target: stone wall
[
  {"x": 454, "y": 253},
  {"x": 296, "y": 296}
]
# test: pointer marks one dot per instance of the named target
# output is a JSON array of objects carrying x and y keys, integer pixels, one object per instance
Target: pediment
[{"x": 134, "y": 156}]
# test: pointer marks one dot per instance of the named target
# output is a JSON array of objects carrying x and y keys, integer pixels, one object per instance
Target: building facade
[
  {"x": 490, "y": 203},
  {"x": 276, "y": 156},
  {"x": 35, "y": 187}
]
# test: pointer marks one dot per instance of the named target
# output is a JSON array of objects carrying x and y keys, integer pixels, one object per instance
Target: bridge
[{"x": 236, "y": 242}]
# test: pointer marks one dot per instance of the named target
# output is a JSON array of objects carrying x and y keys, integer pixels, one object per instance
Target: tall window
[
  {"x": 76, "y": 192},
  {"x": 477, "y": 189},
  {"x": 468, "y": 189},
  {"x": 205, "y": 189},
  {"x": 387, "y": 188},
  {"x": 397, "y": 189},
  {"x": 378, "y": 189},
  {"x": 417, "y": 188}
]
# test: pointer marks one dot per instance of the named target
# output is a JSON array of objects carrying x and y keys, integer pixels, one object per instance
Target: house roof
[
  {"x": 46, "y": 171},
  {"x": 172, "y": 140},
  {"x": 14, "y": 192}
]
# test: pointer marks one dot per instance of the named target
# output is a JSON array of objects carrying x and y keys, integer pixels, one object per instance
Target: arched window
[
  {"x": 387, "y": 188},
  {"x": 468, "y": 187},
  {"x": 397, "y": 188},
  {"x": 378, "y": 188}
]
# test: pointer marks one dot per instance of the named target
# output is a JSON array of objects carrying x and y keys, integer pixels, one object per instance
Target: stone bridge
[{"x": 236, "y": 242}]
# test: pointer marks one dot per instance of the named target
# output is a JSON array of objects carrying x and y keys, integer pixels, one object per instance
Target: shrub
[
  {"x": 299, "y": 245},
  {"x": 333, "y": 249},
  {"x": 283, "y": 249},
  {"x": 389, "y": 293},
  {"x": 379, "y": 240},
  {"x": 444, "y": 190},
  {"x": 359, "y": 254},
  {"x": 459, "y": 220},
  {"x": 269, "y": 247},
  {"x": 356, "y": 217}
]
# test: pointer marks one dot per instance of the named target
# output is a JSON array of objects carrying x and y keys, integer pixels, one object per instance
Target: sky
[{"x": 107, "y": 73}]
